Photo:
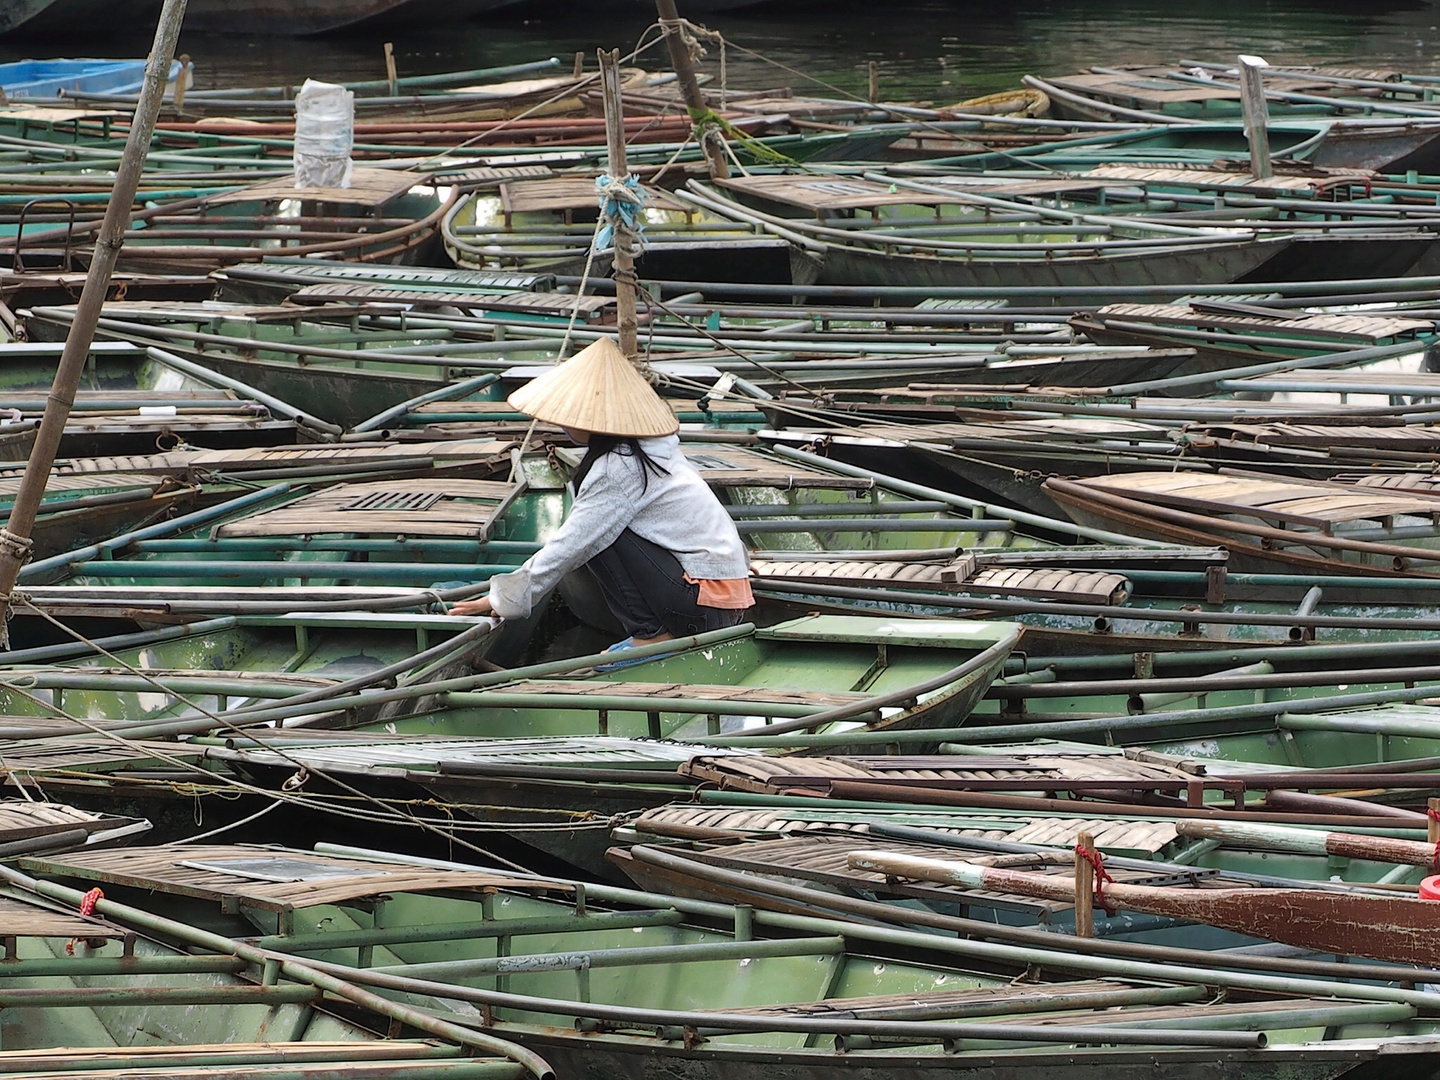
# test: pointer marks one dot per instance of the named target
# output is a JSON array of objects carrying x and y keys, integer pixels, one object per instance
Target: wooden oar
[
  {"x": 1315, "y": 842},
  {"x": 1400, "y": 929}
]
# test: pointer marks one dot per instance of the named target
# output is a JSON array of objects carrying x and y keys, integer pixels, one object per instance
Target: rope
[
  {"x": 620, "y": 204},
  {"x": 1102, "y": 876},
  {"x": 708, "y": 122},
  {"x": 87, "y": 910},
  {"x": 1434, "y": 815},
  {"x": 16, "y": 547}
]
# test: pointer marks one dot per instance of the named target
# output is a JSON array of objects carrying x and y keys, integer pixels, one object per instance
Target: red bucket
[{"x": 1430, "y": 888}]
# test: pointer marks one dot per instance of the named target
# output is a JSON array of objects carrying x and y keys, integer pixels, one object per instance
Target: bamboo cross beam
[{"x": 15, "y": 542}]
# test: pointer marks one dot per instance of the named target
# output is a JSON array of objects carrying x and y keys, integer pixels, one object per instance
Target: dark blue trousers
[{"x": 645, "y": 588}]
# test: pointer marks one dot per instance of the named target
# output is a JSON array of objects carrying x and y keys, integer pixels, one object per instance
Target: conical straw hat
[{"x": 597, "y": 390}]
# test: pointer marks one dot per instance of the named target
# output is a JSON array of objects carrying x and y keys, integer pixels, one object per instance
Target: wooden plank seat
[
  {"x": 761, "y": 695},
  {"x": 824, "y": 858},
  {"x": 1287, "y": 179},
  {"x": 959, "y": 772},
  {"x": 828, "y": 193},
  {"x": 591, "y": 307},
  {"x": 571, "y": 193},
  {"x": 21, "y": 919},
  {"x": 1137, "y": 838},
  {"x": 1344, "y": 328},
  {"x": 269, "y": 878},
  {"x": 1398, "y": 437},
  {"x": 931, "y": 1004},
  {"x": 734, "y": 466},
  {"x": 422, "y": 507},
  {"x": 26, "y": 758},
  {"x": 369, "y": 187},
  {"x": 959, "y": 575},
  {"x": 1311, "y": 504}
]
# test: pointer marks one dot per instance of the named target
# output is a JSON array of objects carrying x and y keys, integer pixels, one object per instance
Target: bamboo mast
[
  {"x": 15, "y": 542},
  {"x": 684, "y": 65},
  {"x": 618, "y": 169}
]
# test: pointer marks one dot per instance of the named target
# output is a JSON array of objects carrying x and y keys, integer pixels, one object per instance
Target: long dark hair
[{"x": 600, "y": 445}]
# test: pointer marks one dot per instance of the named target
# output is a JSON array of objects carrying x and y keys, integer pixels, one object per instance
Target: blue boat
[{"x": 24, "y": 79}]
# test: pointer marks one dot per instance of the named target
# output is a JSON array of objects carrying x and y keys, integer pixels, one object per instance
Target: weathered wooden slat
[
  {"x": 369, "y": 187},
  {"x": 199, "y": 871}
]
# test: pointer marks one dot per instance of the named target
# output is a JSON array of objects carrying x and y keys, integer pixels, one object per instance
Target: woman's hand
[{"x": 479, "y": 606}]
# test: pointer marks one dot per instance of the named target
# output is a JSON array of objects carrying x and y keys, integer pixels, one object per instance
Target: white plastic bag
[{"x": 324, "y": 135}]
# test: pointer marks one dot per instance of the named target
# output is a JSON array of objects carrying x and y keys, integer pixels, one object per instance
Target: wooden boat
[
  {"x": 380, "y": 217},
  {"x": 1228, "y": 335},
  {"x": 134, "y": 402},
  {"x": 91, "y": 509},
  {"x": 1267, "y": 524},
  {"x": 1206, "y": 91},
  {"x": 347, "y": 365},
  {"x": 1375, "y": 144},
  {"x": 1075, "y": 257},
  {"x": 110, "y": 994},
  {"x": 49, "y": 826},
  {"x": 783, "y": 994},
  {"x": 240, "y": 665},
  {"x": 744, "y": 680},
  {"x": 1399, "y": 929},
  {"x": 548, "y": 225},
  {"x": 818, "y": 861}
]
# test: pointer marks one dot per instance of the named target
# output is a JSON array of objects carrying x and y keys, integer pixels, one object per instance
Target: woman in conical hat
[{"x": 664, "y": 552}]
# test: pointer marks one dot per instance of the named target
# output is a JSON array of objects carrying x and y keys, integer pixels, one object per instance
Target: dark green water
[{"x": 931, "y": 49}]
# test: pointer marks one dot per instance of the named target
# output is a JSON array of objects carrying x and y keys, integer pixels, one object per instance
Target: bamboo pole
[
  {"x": 391, "y": 75},
  {"x": 15, "y": 542},
  {"x": 618, "y": 170},
  {"x": 710, "y": 139},
  {"x": 1257, "y": 116},
  {"x": 1084, "y": 887}
]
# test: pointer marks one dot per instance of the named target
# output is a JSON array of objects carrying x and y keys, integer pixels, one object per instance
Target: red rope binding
[
  {"x": 1434, "y": 815},
  {"x": 1102, "y": 876},
  {"x": 87, "y": 908}
]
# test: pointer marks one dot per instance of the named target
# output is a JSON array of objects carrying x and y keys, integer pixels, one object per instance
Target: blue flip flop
[{"x": 621, "y": 646}]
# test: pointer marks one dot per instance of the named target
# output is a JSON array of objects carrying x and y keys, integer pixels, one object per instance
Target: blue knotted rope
[{"x": 620, "y": 204}]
